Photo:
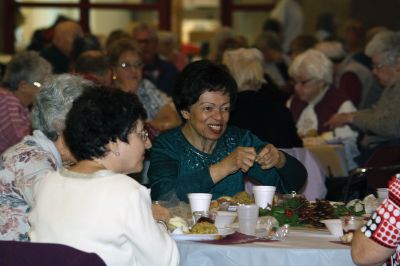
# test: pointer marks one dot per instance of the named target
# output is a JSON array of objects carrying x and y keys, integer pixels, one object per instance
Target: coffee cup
[
  {"x": 248, "y": 216},
  {"x": 263, "y": 195},
  {"x": 199, "y": 202}
]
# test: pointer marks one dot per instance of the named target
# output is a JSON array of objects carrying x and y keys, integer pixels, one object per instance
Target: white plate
[{"x": 222, "y": 232}]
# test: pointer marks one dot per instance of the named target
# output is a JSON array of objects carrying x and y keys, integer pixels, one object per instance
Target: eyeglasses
[
  {"x": 378, "y": 66},
  {"x": 302, "y": 83},
  {"x": 132, "y": 65},
  {"x": 37, "y": 84},
  {"x": 143, "y": 134}
]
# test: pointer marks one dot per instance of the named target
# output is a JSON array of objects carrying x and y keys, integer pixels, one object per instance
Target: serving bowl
[{"x": 334, "y": 226}]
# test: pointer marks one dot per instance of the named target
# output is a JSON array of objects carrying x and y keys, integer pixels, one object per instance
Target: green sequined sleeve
[{"x": 169, "y": 179}]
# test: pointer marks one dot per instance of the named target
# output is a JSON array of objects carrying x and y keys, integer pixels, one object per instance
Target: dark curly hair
[
  {"x": 199, "y": 77},
  {"x": 98, "y": 116}
]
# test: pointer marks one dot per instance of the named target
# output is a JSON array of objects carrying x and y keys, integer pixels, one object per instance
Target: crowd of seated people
[
  {"x": 379, "y": 123},
  {"x": 354, "y": 79},
  {"x": 159, "y": 71},
  {"x": 214, "y": 122},
  {"x": 29, "y": 160},
  {"x": 270, "y": 120},
  {"x": 127, "y": 75}
]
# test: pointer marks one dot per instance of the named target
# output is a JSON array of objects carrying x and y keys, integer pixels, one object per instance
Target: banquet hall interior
[{"x": 312, "y": 84}]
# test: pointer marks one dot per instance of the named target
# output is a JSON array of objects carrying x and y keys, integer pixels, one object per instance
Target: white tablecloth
[{"x": 300, "y": 248}]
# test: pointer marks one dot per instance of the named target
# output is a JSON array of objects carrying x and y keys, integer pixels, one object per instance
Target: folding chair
[
  {"x": 13, "y": 253},
  {"x": 379, "y": 168}
]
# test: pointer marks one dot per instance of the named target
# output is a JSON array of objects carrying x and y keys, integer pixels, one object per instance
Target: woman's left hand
[{"x": 270, "y": 157}]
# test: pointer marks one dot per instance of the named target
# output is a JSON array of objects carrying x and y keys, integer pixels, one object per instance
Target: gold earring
[{"x": 114, "y": 77}]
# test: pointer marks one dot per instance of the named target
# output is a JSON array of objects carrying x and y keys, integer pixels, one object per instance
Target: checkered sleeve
[{"x": 384, "y": 225}]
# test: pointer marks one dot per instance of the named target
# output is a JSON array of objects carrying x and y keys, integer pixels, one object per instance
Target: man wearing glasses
[{"x": 157, "y": 70}]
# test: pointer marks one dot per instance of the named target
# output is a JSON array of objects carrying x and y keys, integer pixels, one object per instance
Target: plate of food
[
  {"x": 201, "y": 231},
  {"x": 222, "y": 233},
  {"x": 228, "y": 203}
]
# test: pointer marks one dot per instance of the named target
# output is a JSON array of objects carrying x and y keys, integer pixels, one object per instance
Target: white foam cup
[
  {"x": 248, "y": 215},
  {"x": 263, "y": 195},
  {"x": 199, "y": 202}
]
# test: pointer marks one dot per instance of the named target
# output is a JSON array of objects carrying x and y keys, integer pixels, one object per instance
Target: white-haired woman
[
  {"x": 316, "y": 100},
  {"x": 22, "y": 166},
  {"x": 246, "y": 67},
  {"x": 21, "y": 83}
]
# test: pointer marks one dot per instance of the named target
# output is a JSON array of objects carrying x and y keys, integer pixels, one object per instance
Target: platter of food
[
  {"x": 227, "y": 203},
  {"x": 203, "y": 229},
  {"x": 222, "y": 233}
]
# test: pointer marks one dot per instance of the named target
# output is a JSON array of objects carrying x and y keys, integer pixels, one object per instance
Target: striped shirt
[{"x": 14, "y": 120}]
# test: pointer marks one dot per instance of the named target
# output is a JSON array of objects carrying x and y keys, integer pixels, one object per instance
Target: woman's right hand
[
  {"x": 242, "y": 158},
  {"x": 340, "y": 120}
]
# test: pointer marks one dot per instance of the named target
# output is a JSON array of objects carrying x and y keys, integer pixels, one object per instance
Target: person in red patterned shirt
[
  {"x": 379, "y": 239},
  {"x": 21, "y": 83}
]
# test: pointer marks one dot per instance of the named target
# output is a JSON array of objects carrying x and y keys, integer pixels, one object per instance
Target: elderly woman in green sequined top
[{"x": 204, "y": 154}]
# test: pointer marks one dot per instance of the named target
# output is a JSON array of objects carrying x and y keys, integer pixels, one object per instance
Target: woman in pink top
[{"x": 21, "y": 83}]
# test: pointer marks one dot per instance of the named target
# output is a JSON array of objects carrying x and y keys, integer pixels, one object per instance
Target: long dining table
[{"x": 302, "y": 247}]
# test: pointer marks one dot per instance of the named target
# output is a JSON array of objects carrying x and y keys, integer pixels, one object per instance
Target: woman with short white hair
[{"x": 316, "y": 100}]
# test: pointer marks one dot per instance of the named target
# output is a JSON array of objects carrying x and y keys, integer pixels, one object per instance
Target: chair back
[
  {"x": 384, "y": 156},
  {"x": 13, "y": 253},
  {"x": 382, "y": 165},
  {"x": 378, "y": 170}
]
